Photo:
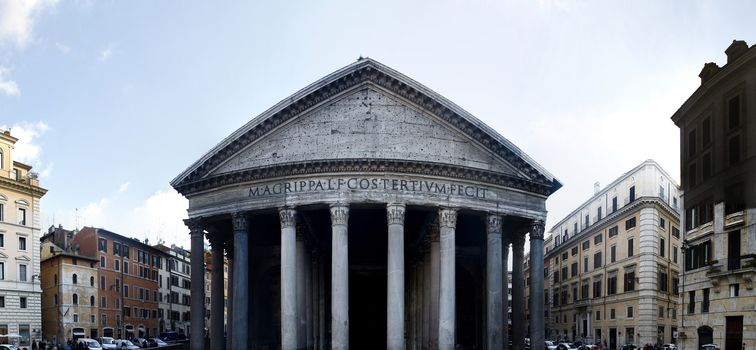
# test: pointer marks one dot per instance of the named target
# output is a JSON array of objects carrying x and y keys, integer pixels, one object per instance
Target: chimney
[
  {"x": 596, "y": 188},
  {"x": 735, "y": 50},
  {"x": 708, "y": 71}
]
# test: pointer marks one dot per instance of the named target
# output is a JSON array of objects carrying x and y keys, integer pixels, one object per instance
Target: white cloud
[
  {"x": 46, "y": 170},
  {"x": 17, "y": 19},
  {"x": 124, "y": 187},
  {"x": 7, "y": 86},
  {"x": 161, "y": 217},
  {"x": 106, "y": 53},
  {"x": 63, "y": 48},
  {"x": 94, "y": 213},
  {"x": 26, "y": 149}
]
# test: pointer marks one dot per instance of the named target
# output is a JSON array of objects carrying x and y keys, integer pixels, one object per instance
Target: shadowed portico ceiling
[{"x": 523, "y": 173}]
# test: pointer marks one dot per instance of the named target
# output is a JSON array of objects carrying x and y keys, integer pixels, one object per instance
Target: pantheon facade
[{"x": 367, "y": 211}]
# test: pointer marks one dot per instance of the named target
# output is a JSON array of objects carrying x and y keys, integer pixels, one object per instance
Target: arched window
[
  {"x": 74, "y": 278},
  {"x": 91, "y": 281},
  {"x": 91, "y": 300},
  {"x": 76, "y": 299}
]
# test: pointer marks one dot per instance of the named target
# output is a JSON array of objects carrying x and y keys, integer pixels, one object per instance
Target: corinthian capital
[
  {"x": 339, "y": 214},
  {"x": 493, "y": 223},
  {"x": 395, "y": 214},
  {"x": 536, "y": 229},
  {"x": 239, "y": 221},
  {"x": 447, "y": 217},
  {"x": 288, "y": 217},
  {"x": 196, "y": 225}
]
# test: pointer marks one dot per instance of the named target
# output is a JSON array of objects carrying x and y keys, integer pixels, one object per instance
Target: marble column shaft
[
  {"x": 494, "y": 339},
  {"x": 241, "y": 282},
  {"x": 518, "y": 292},
  {"x": 537, "y": 327},
  {"x": 230, "y": 307},
  {"x": 505, "y": 293},
  {"x": 433, "y": 285},
  {"x": 301, "y": 289},
  {"x": 395, "y": 284},
  {"x": 447, "y": 293},
  {"x": 339, "y": 277},
  {"x": 197, "y": 336},
  {"x": 216, "y": 295},
  {"x": 289, "y": 321}
]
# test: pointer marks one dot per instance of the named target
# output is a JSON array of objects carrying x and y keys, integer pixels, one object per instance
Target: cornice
[
  {"x": 331, "y": 166},
  {"x": 364, "y": 72},
  {"x": 640, "y": 203},
  {"x": 20, "y": 186}
]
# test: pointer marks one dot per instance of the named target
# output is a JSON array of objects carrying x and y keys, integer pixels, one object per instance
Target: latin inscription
[{"x": 369, "y": 184}]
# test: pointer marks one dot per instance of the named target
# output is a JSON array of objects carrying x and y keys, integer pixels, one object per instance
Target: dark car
[{"x": 172, "y": 337}]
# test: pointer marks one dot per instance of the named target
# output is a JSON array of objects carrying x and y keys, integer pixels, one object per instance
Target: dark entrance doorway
[
  {"x": 613, "y": 338},
  {"x": 734, "y": 333},
  {"x": 368, "y": 249},
  {"x": 705, "y": 336}
]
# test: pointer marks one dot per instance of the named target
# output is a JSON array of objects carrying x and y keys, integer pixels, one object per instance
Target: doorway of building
[
  {"x": 613, "y": 338},
  {"x": 705, "y": 336},
  {"x": 734, "y": 333}
]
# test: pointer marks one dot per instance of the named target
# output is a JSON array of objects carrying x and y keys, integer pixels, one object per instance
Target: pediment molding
[
  {"x": 3, "y": 255},
  {"x": 23, "y": 258},
  {"x": 333, "y": 166},
  {"x": 364, "y": 72}
]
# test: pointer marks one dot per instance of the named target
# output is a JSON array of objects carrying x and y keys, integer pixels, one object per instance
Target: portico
[{"x": 368, "y": 211}]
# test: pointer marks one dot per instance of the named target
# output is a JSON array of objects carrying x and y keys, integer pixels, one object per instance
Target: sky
[{"x": 113, "y": 99}]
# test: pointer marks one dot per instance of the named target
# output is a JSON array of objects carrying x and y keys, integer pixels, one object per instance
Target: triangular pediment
[
  {"x": 3, "y": 255},
  {"x": 365, "y": 112},
  {"x": 23, "y": 258}
]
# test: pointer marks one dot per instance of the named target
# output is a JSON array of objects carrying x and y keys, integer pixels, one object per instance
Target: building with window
[
  {"x": 20, "y": 291},
  {"x": 128, "y": 272},
  {"x": 718, "y": 166},
  {"x": 175, "y": 286},
  {"x": 69, "y": 280},
  {"x": 614, "y": 263}
]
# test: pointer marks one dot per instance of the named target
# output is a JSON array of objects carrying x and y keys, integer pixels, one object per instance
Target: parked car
[
  {"x": 710, "y": 347},
  {"x": 550, "y": 345},
  {"x": 629, "y": 347},
  {"x": 156, "y": 342},
  {"x": 172, "y": 337},
  {"x": 107, "y": 343},
  {"x": 588, "y": 347},
  {"x": 142, "y": 342},
  {"x": 89, "y": 344},
  {"x": 566, "y": 346},
  {"x": 125, "y": 344},
  {"x": 8, "y": 347},
  {"x": 669, "y": 347}
]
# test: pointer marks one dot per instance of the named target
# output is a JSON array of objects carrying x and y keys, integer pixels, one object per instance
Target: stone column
[
  {"x": 446, "y": 305},
  {"x": 301, "y": 289},
  {"x": 289, "y": 319},
  {"x": 216, "y": 294},
  {"x": 537, "y": 336},
  {"x": 505, "y": 293},
  {"x": 241, "y": 282},
  {"x": 339, "y": 277},
  {"x": 321, "y": 303},
  {"x": 308, "y": 298},
  {"x": 518, "y": 292},
  {"x": 230, "y": 287},
  {"x": 197, "y": 338},
  {"x": 395, "y": 283},
  {"x": 433, "y": 283},
  {"x": 494, "y": 338}
]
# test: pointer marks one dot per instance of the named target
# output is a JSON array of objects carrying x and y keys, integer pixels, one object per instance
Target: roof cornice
[
  {"x": 20, "y": 186},
  {"x": 361, "y": 72}
]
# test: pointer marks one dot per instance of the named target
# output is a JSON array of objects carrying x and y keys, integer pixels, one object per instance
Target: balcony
[
  {"x": 720, "y": 271},
  {"x": 734, "y": 219}
]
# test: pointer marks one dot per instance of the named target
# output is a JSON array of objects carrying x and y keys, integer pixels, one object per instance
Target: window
[
  {"x": 92, "y": 300},
  {"x": 23, "y": 302},
  {"x": 103, "y": 245},
  {"x": 22, "y": 272},
  {"x": 575, "y": 228},
  {"x": 661, "y": 247},
  {"x": 125, "y": 251},
  {"x": 632, "y": 193},
  {"x": 116, "y": 248},
  {"x": 630, "y": 246},
  {"x": 92, "y": 319},
  {"x": 564, "y": 273},
  {"x": 692, "y": 143},
  {"x": 91, "y": 281},
  {"x": 673, "y": 315},
  {"x": 612, "y": 314},
  {"x": 705, "y": 302},
  {"x": 629, "y": 312},
  {"x": 675, "y": 283},
  {"x": 597, "y": 288},
  {"x": 611, "y": 284},
  {"x": 614, "y": 204},
  {"x": 598, "y": 214},
  {"x": 2, "y": 270},
  {"x": 661, "y": 280},
  {"x": 613, "y": 253},
  {"x": 697, "y": 256},
  {"x": 574, "y": 269},
  {"x": 733, "y": 112},
  {"x": 630, "y": 332},
  {"x": 21, "y": 216},
  {"x": 585, "y": 264},
  {"x": 55, "y": 297},
  {"x": 102, "y": 282},
  {"x": 574, "y": 250},
  {"x": 662, "y": 222},
  {"x": 674, "y": 254},
  {"x": 734, "y": 290},
  {"x": 586, "y": 244},
  {"x": 103, "y": 301},
  {"x": 102, "y": 261},
  {"x": 584, "y": 290},
  {"x": 76, "y": 318},
  {"x": 598, "y": 315},
  {"x": 22, "y": 243},
  {"x": 564, "y": 256},
  {"x": 587, "y": 220},
  {"x": 2, "y": 236},
  {"x": 2, "y": 301},
  {"x": 629, "y": 281},
  {"x": 629, "y": 223},
  {"x": 597, "y": 260},
  {"x": 74, "y": 279},
  {"x": 574, "y": 292},
  {"x": 556, "y": 277},
  {"x": 125, "y": 290},
  {"x": 692, "y": 302},
  {"x": 613, "y": 231},
  {"x": 675, "y": 232},
  {"x": 706, "y": 132},
  {"x": 117, "y": 264},
  {"x": 126, "y": 267},
  {"x": 597, "y": 239},
  {"x": 75, "y": 299}
]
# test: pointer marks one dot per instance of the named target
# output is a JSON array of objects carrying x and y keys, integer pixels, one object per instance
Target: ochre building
[{"x": 366, "y": 211}]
